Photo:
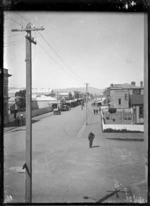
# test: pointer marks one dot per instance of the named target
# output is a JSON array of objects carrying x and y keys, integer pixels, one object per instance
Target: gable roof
[
  {"x": 136, "y": 99},
  {"x": 44, "y": 98}
]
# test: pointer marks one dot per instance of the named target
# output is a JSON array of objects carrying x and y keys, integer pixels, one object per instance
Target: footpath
[
  {"x": 34, "y": 119},
  {"x": 122, "y": 190}
]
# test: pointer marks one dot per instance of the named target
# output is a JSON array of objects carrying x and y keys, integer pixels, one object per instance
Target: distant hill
[
  {"x": 15, "y": 88},
  {"x": 91, "y": 90}
]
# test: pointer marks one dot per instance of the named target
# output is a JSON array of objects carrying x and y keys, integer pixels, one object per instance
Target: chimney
[
  {"x": 133, "y": 83},
  {"x": 141, "y": 84},
  {"x": 111, "y": 85}
]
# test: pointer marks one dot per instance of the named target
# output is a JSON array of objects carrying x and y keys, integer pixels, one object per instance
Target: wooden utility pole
[
  {"x": 28, "y": 163},
  {"x": 57, "y": 100},
  {"x": 146, "y": 105},
  {"x": 86, "y": 104}
]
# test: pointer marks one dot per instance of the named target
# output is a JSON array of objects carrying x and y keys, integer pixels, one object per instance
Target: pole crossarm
[{"x": 27, "y": 29}]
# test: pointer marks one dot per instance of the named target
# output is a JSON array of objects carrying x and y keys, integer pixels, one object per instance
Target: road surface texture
[{"x": 65, "y": 169}]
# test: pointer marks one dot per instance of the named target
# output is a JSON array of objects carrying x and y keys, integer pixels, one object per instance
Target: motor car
[
  {"x": 57, "y": 111},
  {"x": 64, "y": 108}
]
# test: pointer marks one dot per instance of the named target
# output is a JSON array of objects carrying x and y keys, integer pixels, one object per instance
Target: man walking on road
[{"x": 91, "y": 138}]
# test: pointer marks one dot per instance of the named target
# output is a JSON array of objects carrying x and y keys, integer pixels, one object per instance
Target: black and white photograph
[{"x": 75, "y": 107}]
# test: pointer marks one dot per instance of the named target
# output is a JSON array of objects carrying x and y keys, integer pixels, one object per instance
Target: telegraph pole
[
  {"x": 86, "y": 103},
  {"x": 57, "y": 99},
  {"x": 28, "y": 163}
]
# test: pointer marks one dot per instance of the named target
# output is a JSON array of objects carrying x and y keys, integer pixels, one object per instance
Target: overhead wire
[
  {"x": 13, "y": 20},
  {"x": 23, "y": 17},
  {"x": 54, "y": 50},
  {"x": 11, "y": 44},
  {"x": 12, "y": 35},
  {"x": 52, "y": 58},
  {"x": 66, "y": 64},
  {"x": 45, "y": 41}
]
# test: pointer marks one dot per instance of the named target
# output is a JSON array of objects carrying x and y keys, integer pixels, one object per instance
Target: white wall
[{"x": 121, "y": 126}]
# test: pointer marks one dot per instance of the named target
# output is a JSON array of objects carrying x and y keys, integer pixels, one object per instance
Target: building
[
  {"x": 63, "y": 95},
  {"x": 136, "y": 102},
  {"x": 35, "y": 91},
  {"x": 118, "y": 95},
  {"x": 44, "y": 101},
  {"x": 6, "y": 75}
]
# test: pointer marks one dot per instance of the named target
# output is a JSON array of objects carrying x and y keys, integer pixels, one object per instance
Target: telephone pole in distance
[
  {"x": 86, "y": 103},
  {"x": 28, "y": 163}
]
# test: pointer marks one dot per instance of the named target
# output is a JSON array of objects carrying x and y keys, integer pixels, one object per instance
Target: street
[{"x": 65, "y": 169}]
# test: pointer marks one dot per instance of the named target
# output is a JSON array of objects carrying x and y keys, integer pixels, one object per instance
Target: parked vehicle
[
  {"x": 64, "y": 108},
  {"x": 57, "y": 111}
]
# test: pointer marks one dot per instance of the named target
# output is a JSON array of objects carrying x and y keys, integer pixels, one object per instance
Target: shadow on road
[
  {"x": 115, "y": 192},
  {"x": 34, "y": 121},
  {"x": 95, "y": 146}
]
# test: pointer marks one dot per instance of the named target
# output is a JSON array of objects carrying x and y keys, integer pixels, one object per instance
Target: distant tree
[
  {"x": 34, "y": 105},
  {"x": 76, "y": 94},
  {"x": 112, "y": 111},
  {"x": 70, "y": 97},
  {"x": 21, "y": 99}
]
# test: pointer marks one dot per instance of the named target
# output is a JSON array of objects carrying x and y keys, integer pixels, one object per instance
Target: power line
[
  {"x": 67, "y": 65},
  {"x": 49, "y": 45},
  {"x": 56, "y": 53},
  {"x": 14, "y": 20},
  {"x": 13, "y": 43},
  {"x": 23, "y": 17},
  {"x": 12, "y": 35},
  {"x": 53, "y": 59}
]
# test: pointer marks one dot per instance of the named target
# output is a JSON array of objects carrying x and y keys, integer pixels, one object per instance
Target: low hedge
[{"x": 109, "y": 130}]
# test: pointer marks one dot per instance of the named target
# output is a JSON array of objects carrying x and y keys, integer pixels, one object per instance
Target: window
[
  {"x": 119, "y": 101},
  {"x": 141, "y": 113},
  {"x": 136, "y": 91},
  {"x": 126, "y": 97}
]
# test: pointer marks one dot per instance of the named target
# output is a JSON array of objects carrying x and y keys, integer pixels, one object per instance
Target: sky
[{"x": 75, "y": 48}]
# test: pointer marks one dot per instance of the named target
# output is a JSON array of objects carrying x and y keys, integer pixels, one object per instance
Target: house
[
  {"x": 136, "y": 102},
  {"x": 44, "y": 101},
  {"x": 6, "y": 75},
  {"x": 118, "y": 95},
  {"x": 63, "y": 95}
]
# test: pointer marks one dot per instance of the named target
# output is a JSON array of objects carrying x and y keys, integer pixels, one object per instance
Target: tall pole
[
  {"x": 146, "y": 105},
  {"x": 28, "y": 156},
  {"x": 28, "y": 193},
  {"x": 57, "y": 100},
  {"x": 86, "y": 104}
]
